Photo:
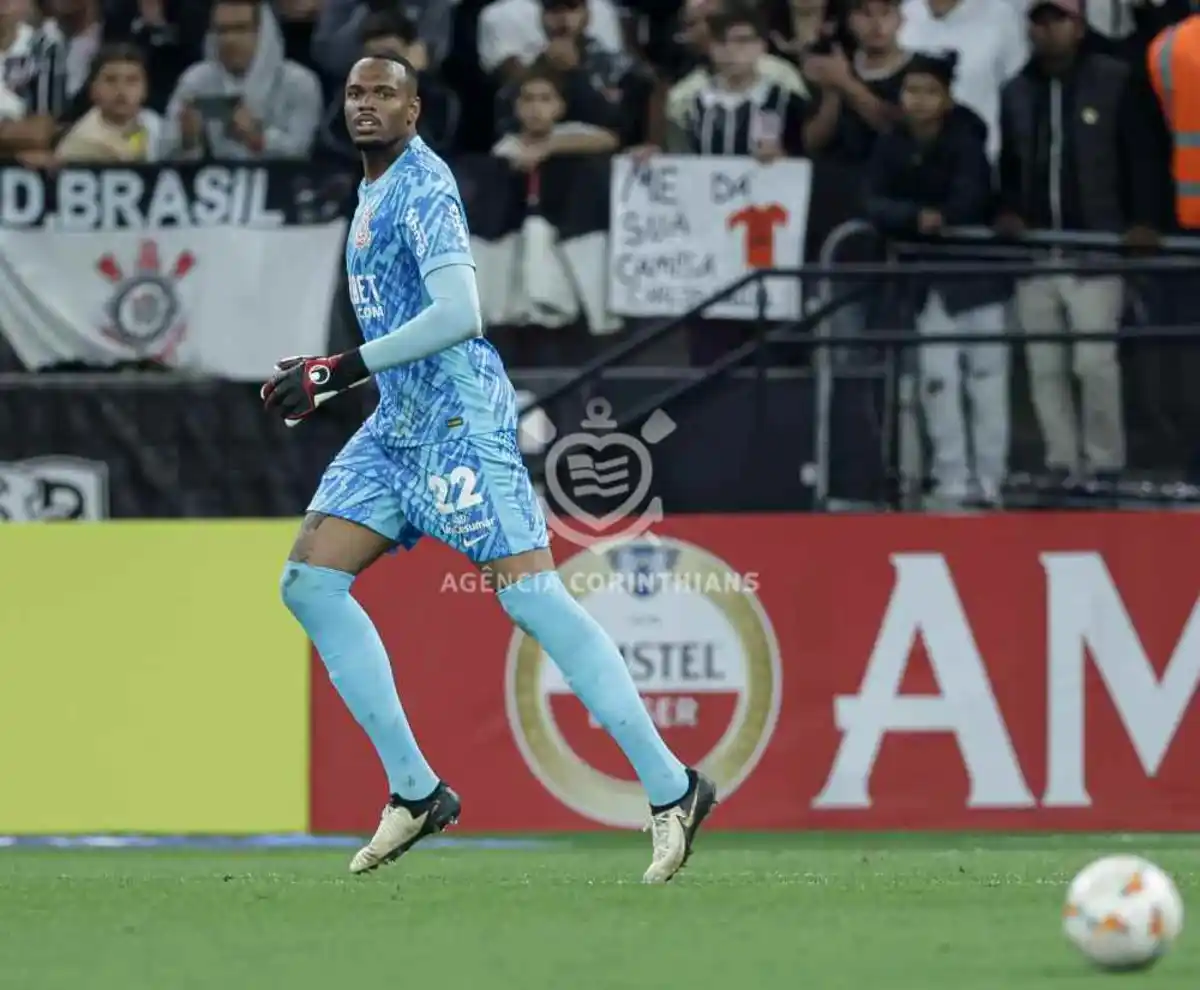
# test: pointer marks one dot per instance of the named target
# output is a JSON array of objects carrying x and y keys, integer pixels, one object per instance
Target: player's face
[
  {"x": 380, "y": 108},
  {"x": 120, "y": 90}
]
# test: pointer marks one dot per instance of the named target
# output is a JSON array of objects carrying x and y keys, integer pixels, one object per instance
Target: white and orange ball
[{"x": 1123, "y": 912}]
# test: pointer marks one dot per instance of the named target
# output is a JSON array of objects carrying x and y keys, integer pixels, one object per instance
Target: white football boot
[
  {"x": 403, "y": 824},
  {"x": 672, "y": 829}
]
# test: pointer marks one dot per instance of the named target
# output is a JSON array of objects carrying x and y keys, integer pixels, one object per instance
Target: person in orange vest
[
  {"x": 1173, "y": 61},
  {"x": 1173, "y": 64}
]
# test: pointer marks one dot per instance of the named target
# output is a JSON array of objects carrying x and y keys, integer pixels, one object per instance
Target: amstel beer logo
[{"x": 701, "y": 650}]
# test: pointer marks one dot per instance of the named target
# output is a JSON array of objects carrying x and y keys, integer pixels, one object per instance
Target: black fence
[{"x": 832, "y": 413}]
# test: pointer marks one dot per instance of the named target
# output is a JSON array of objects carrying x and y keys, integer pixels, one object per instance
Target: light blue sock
[
  {"x": 358, "y": 666},
  {"x": 595, "y": 670}
]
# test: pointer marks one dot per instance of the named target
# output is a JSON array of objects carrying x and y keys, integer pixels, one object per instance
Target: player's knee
[
  {"x": 304, "y": 588},
  {"x": 527, "y": 599}
]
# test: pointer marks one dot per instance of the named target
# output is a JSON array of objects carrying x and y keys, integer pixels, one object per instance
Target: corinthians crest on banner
[{"x": 701, "y": 650}]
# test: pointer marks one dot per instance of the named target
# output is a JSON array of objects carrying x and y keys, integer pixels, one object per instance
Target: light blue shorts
[{"x": 474, "y": 494}]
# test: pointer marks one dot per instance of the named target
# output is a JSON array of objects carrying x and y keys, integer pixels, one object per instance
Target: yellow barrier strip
[{"x": 150, "y": 679}]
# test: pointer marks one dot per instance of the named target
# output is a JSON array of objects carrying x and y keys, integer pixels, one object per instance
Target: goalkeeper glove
[{"x": 300, "y": 384}]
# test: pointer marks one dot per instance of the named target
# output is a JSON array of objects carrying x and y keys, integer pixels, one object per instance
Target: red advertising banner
[{"x": 992, "y": 672}]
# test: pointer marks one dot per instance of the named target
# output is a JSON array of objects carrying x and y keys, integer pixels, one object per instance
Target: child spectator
[
  {"x": 738, "y": 110},
  {"x": 932, "y": 172},
  {"x": 118, "y": 127},
  {"x": 600, "y": 87},
  {"x": 542, "y": 130}
]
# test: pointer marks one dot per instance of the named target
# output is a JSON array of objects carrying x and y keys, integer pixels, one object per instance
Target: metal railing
[{"x": 1036, "y": 254}]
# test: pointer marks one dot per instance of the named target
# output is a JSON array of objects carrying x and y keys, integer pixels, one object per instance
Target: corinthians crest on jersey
[
  {"x": 362, "y": 227},
  {"x": 704, "y": 657}
]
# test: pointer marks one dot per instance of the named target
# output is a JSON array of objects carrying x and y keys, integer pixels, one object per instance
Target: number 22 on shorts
[{"x": 455, "y": 492}]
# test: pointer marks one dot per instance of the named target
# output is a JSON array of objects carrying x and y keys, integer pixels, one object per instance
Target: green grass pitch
[{"x": 813, "y": 911}]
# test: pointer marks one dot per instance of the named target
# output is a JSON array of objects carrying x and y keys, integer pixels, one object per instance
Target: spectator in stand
[
  {"x": 990, "y": 39},
  {"x": 512, "y": 36},
  {"x": 932, "y": 172},
  {"x": 867, "y": 87},
  {"x": 32, "y": 72},
  {"x": 298, "y": 22},
  {"x": 1173, "y": 64},
  {"x": 78, "y": 26},
  {"x": 600, "y": 87},
  {"x": 543, "y": 128},
  {"x": 739, "y": 111},
  {"x": 1173, "y": 61},
  {"x": 1072, "y": 140},
  {"x": 1125, "y": 28},
  {"x": 170, "y": 32},
  {"x": 696, "y": 35},
  {"x": 337, "y": 44},
  {"x": 804, "y": 26},
  {"x": 245, "y": 100},
  {"x": 117, "y": 127},
  {"x": 393, "y": 34}
]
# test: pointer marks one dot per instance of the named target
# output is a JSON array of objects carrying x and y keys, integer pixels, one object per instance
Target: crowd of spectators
[
  {"x": 1025, "y": 114},
  {"x": 150, "y": 79}
]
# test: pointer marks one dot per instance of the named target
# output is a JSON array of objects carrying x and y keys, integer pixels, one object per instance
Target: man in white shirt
[
  {"x": 511, "y": 35},
  {"x": 992, "y": 45}
]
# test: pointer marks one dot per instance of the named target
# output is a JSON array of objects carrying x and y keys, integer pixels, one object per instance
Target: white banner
[
  {"x": 223, "y": 301},
  {"x": 683, "y": 228}
]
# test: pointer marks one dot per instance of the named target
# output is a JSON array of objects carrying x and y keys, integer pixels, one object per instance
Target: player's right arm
[{"x": 431, "y": 225}]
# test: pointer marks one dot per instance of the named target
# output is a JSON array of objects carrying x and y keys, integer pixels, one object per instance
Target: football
[{"x": 1122, "y": 912}]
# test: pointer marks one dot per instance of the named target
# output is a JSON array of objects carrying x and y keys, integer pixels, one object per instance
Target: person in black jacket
[
  {"x": 929, "y": 173},
  {"x": 1077, "y": 154}
]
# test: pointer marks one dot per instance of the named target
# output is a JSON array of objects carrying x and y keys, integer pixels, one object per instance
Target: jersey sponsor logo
[
  {"x": 459, "y": 226},
  {"x": 366, "y": 298},
  {"x": 420, "y": 244},
  {"x": 703, "y": 654},
  {"x": 144, "y": 312},
  {"x": 41, "y": 489}
]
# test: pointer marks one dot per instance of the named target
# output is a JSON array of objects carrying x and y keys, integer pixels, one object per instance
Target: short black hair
[
  {"x": 410, "y": 73},
  {"x": 737, "y": 15},
  {"x": 110, "y": 54},
  {"x": 942, "y": 65},
  {"x": 387, "y": 24},
  {"x": 541, "y": 71}
]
